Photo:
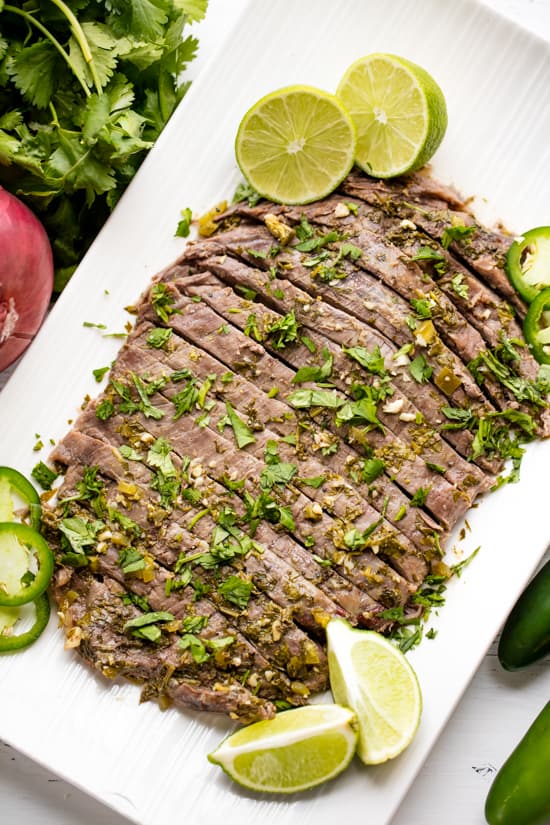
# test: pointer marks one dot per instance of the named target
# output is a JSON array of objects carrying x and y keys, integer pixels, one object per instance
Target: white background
[{"x": 494, "y": 713}]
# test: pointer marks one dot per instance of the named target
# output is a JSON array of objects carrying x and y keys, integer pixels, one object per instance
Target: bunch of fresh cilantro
[{"x": 86, "y": 87}]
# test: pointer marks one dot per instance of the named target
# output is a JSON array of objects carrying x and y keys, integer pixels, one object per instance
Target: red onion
[{"x": 26, "y": 277}]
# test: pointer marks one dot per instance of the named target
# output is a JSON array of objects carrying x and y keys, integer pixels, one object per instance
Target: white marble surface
[{"x": 493, "y": 714}]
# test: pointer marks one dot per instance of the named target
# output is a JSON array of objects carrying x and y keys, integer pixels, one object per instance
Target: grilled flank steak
[{"x": 310, "y": 400}]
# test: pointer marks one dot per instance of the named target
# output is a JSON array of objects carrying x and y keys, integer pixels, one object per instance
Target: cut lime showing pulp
[
  {"x": 399, "y": 112},
  {"x": 296, "y": 145},
  {"x": 374, "y": 679},
  {"x": 296, "y": 750}
]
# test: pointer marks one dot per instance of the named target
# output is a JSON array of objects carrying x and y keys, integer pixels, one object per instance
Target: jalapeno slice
[
  {"x": 528, "y": 262},
  {"x": 12, "y": 480},
  {"x": 9, "y": 616},
  {"x": 536, "y": 327},
  {"x": 26, "y": 564}
]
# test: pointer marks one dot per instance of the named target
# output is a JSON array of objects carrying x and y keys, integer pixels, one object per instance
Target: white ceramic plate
[{"x": 151, "y": 766}]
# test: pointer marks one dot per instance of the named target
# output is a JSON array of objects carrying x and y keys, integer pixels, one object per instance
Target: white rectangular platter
[{"x": 151, "y": 766}]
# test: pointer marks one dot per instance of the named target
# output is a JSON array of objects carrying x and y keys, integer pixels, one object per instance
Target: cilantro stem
[
  {"x": 30, "y": 19},
  {"x": 81, "y": 39}
]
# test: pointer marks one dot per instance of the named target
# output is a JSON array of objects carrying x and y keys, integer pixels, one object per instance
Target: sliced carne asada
[
  {"x": 399, "y": 415},
  {"x": 310, "y": 400},
  {"x": 483, "y": 250},
  {"x": 486, "y": 311},
  {"x": 375, "y": 305},
  {"x": 94, "y": 613},
  {"x": 245, "y": 604},
  {"x": 323, "y": 534},
  {"x": 321, "y": 474},
  {"x": 346, "y": 331},
  {"x": 399, "y": 459}
]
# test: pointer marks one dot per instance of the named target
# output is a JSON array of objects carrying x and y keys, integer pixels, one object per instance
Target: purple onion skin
[{"x": 26, "y": 277}]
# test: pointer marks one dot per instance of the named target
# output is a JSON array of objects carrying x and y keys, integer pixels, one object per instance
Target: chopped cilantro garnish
[
  {"x": 159, "y": 337},
  {"x": 436, "y": 468},
  {"x": 456, "y": 233},
  {"x": 371, "y": 361},
  {"x": 147, "y": 627},
  {"x": 185, "y": 399},
  {"x": 315, "y": 373},
  {"x": 420, "y": 497},
  {"x": 314, "y": 481},
  {"x": 422, "y": 307},
  {"x": 372, "y": 469},
  {"x": 131, "y": 560},
  {"x": 99, "y": 373},
  {"x": 159, "y": 457},
  {"x": 243, "y": 435},
  {"x": 302, "y": 399},
  {"x": 236, "y": 590},
  {"x": 459, "y": 287},
  {"x": 195, "y": 646},
  {"x": 80, "y": 533},
  {"x": 43, "y": 475},
  {"x": 184, "y": 226},
  {"x": 420, "y": 369},
  {"x": 163, "y": 301},
  {"x": 245, "y": 192},
  {"x": 426, "y": 253}
]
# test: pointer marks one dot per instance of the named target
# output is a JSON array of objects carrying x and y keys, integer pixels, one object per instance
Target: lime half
[
  {"x": 399, "y": 112},
  {"x": 296, "y": 145},
  {"x": 296, "y": 750},
  {"x": 374, "y": 679}
]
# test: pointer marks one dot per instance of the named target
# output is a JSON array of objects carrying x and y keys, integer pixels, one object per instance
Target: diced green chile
[
  {"x": 525, "y": 637},
  {"x": 520, "y": 793},
  {"x": 528, "y": 262},
  {"x": 12, "y": 480},
  {"x": 536, "y": 327},
  {"x": 35, "y": 583},
  {"x": 17, "y": 641}
]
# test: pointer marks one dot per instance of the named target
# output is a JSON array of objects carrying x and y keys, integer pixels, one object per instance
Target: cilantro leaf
[
  {"x": 243, "y": 436},
  {"x": 420, "y": 369}
]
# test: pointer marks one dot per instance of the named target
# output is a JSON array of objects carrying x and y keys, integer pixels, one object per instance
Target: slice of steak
[
  {"x": 321, "y": 535},
  {"x": 302, "y": 448},
  {"x": 94, "y": 615},
  {"x": 295, "y": 442},
  {"x": 486, "y": 311},
  {"x": 291, "y": 650},
  {"x": 374, "y": 306},
  {"x": 398, "y": 415},
  {"x": 400, "y": 460},
  {"x": 483, "y": 250}
]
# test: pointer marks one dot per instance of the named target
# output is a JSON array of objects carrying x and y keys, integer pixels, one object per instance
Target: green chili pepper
[
  {"x": 536, "y": 327},
  {"x": 520, "y": 793},
  {"x": 26, "y": 564},
  {"x": 528, "y": 262},
  {"x": 9, "y": 616},
  {"x": 526, "y": 633},
  {"x": 12, "y": 481}
]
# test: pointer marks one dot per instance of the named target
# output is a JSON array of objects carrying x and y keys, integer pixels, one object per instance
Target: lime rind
[
  {"x": 374, "y": 679},
  {"x": 296, "y": 145},
  {"x": 297, "y": 750},
  {"x": 399, "y": 111}
]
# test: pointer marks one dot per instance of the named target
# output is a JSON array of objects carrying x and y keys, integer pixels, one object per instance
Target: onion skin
[{"x": 26, "y": 277}]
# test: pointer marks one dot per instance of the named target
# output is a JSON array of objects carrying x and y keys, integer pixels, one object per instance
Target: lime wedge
[
  {"x": 399, "y": 112},
  {"x": 296, "y": 145},
  {"x": 374, "y": 679},
  {"x": 296, "y": 750}
]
